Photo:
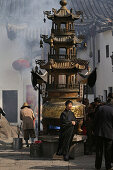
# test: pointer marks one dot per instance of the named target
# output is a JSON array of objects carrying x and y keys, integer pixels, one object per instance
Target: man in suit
[{"x": 104, "y": 134}]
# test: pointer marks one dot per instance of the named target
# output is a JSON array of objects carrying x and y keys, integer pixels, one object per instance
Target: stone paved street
[{"x": 11, "y": 160}]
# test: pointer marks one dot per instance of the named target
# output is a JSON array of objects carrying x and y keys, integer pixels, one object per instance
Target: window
[
  {"x": 101, "y": 98},
  {"x": 63, "y": 26},
  {"x": 50, "y": 79},
  {"x": 110, "y": 89},
  {"x": 53, "y": 80},
  {"x": 55, "y": 26},
  {"x": 112, "y": 62},
  {"x": 10, "y": 104},
  {"x": 73, "y": 79},
  {"x": 105, "y": 95},
  {"x": 62, "y": 53},
  {"x": 107, "y": 51},
  {"x": 70, "y": 26},
  {"x": 62, "y": 79},
  {"x": 98, "y": 56}
]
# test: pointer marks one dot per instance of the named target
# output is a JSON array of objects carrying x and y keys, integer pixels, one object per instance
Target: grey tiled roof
[{"x": 97, "y": 13}]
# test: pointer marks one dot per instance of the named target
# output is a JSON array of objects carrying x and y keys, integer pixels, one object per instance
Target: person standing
[
  {"x": 2, "y": 112},
  {"x": 67, "y": 121},
  {"x": 27, "y": 116},
  {"x": 104, "y": 134}
]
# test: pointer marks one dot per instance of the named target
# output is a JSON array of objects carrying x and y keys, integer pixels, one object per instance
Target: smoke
[
  {"x": 21, "y": 23},
  {"x": 24, "y": 22}
]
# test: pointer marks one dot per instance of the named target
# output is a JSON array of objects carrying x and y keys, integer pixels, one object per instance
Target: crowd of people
[
  {"x": 99, "y": 130},
  {"x": 90, "y": 112},
  {"x": 97, "y": 125}
]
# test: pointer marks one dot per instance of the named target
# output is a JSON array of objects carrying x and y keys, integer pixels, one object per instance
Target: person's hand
[{"x": 73, "y": 123}]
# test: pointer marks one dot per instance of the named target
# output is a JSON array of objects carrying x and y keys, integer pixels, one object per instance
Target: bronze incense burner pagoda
[{"x": 62, "y": 66}]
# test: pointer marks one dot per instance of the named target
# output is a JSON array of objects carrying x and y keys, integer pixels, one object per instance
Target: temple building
[{"x": 98, "y": 30}]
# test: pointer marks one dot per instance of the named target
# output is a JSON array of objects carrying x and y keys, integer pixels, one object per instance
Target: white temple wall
[
  {"x": 104, "y": 68},
  {"x": 10, "y": 79}
]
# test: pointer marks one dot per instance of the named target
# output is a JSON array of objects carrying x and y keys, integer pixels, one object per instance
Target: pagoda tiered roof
[
  {"x": 67, "y": 39},
  {"x": 65, "y": 64},
  {"x": 98, "y": 14},
  {"x": 62, "y": 39},
  {"x": 63, "y": 12}
]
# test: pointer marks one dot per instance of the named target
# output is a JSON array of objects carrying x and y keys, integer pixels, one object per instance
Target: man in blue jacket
[{"x": 104, "y": 134}]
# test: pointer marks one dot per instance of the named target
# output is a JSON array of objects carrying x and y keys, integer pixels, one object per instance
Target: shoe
[
  {"x": 27, "y": 146},
  {"x": 59, "y": 153},
  {"x": 66, "y": 158},
  {"x": 70, "y": 157}
]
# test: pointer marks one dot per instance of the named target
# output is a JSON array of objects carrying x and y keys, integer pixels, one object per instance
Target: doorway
[{"x": 10, "y": 104}]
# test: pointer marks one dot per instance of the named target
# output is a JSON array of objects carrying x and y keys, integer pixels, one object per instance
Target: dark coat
[
  {"x": 66, "y": 131},
  {"x": 66, "y": 118},
  {"x": 104, "y": 121}
]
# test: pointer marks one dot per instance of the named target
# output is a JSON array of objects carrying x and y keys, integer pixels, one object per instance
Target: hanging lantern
[
  {"x": 44, "y": 18},
  {"x": 41, "y": 43},
  {"x": 85, "y": 44},
  {"x": 52, "y": 43},
  {"x": 21, "y": 64}
]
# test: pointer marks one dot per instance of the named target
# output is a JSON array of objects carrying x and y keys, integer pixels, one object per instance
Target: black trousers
[
  {"x": 106, "y": 145},
  {"x": 29, "y": 133},
  {"x": 65, "y": 140}
]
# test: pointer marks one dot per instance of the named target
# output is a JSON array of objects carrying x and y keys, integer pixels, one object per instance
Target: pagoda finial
[{"x": 63, "y": 2}]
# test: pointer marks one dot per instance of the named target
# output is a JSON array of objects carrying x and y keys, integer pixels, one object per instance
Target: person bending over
[{"x": 27, "y": 116}]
